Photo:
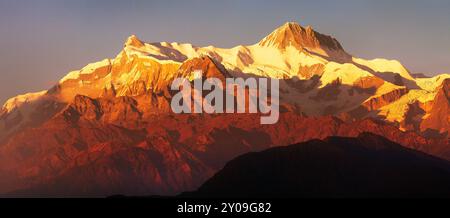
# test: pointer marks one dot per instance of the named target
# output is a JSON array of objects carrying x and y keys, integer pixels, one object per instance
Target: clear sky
[{"x": 41, "y": 40}]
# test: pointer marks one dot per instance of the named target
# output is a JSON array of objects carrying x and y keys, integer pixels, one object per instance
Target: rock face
[
  {"x": 365, "y": 166},
  {"x": 109, "y": 129},
  {"x": 379, "y": 101},
  {"x": 439, "y": 116}
]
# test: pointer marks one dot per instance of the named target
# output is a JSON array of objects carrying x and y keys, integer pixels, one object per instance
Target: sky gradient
[{"x": 42, "y": 40}]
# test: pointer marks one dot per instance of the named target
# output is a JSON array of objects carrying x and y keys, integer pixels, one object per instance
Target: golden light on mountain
[{"x": 109, "y": 127}]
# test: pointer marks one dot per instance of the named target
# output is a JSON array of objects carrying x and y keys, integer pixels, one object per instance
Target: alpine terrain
[{"x": 108, "y": 128}]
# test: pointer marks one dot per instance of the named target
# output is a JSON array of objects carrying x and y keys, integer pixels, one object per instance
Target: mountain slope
[
  {"x": 439, "y": 115},
  {"x": 163, "y": 155},
  {"x": 366, "y": 166}
]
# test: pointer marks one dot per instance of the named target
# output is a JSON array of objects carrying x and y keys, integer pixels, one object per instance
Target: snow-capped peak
[
  {"x": 293, "y": 34},
  {"x": 133, "y": 40}
]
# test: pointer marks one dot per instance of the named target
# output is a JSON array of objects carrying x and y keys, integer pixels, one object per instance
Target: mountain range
[{"x": 108, "y": 128}]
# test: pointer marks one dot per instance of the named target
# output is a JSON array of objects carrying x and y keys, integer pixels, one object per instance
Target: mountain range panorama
[{"x": 108, "y": 128}]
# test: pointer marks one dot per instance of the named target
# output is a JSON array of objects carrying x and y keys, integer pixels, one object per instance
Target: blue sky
[{"x": 41, "y": 40}]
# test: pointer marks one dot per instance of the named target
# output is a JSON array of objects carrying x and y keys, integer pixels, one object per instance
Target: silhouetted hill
[{"x": 365, "y": 166}]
